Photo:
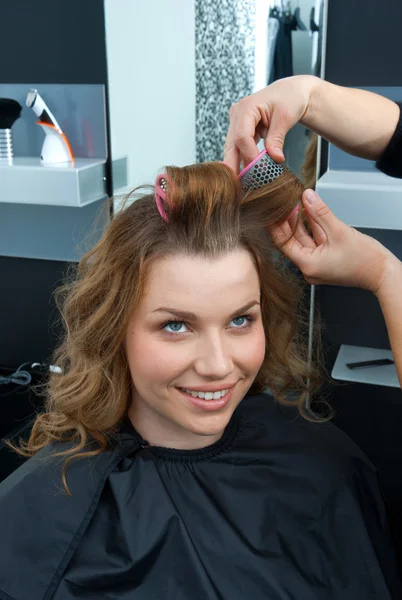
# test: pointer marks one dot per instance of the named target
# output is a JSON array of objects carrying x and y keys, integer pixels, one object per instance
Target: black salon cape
[
  {"x": 278, "y": 509},
  {"x": 390, "y": 162}
]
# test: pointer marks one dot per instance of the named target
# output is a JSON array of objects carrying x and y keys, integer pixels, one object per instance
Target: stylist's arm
[
  {"x": 340, "y": 255},
  {"x": 357, "y": 121}
]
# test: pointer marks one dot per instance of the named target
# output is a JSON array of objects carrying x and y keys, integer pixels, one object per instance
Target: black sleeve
[
  {"x": 361, "y": 553},
  {"x": 390, "y": 162}
]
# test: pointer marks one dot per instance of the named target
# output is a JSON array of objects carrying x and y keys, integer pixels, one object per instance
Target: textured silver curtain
[{"x": 225, "y": 55}]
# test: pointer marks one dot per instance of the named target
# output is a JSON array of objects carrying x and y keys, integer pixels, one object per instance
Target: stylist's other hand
[
  {"x": 335, "y": 254},
  {"x": 268, "y": 114}
]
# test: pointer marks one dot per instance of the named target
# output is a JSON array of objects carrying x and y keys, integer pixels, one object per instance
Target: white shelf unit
[
  {"x": 383, "y": 375},
  {"x": 27, "y": 181},
  {"x": 367, "y": 199}
]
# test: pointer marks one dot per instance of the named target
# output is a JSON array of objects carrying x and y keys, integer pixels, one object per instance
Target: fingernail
[
  {"x": 311, "y": 197},
  {"x": 278, "y": 150}
]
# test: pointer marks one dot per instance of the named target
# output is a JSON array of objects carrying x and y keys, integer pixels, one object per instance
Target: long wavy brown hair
[
  {"x": 207, "y": 215},
  {"x": 309, "y": 167}
]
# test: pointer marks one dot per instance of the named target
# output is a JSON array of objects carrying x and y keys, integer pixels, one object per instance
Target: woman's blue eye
[
  {"x": 239, "y": 321},
  {"x": 175, "y": 326}
]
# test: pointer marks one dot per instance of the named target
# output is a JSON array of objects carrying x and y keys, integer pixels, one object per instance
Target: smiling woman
[
  {"x": 191, "y": 482},
  {"x": 212, "y": 256},
  {"x": 182, "y": 364}
]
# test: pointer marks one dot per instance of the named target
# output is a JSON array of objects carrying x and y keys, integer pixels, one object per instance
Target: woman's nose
[{"x": 213, "y": 359}]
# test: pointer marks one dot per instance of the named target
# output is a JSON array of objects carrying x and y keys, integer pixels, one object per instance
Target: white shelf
[
  {"x": 363, "y": 198},
  {"x": 26, "y": 181},
  {"x": 384, "y": 375}
]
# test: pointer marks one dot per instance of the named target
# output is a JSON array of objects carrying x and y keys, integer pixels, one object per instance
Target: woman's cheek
[
  {"x": 253, "y": 348},
  {"x": 168, "y": 355}
]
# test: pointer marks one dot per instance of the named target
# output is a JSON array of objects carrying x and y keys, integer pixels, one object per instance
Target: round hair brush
[
  {"x": 261, "y": 171},
  {"x": 10, "y": 111}
]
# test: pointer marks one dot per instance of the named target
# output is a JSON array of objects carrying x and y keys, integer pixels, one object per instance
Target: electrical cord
[
  {"x": 22, "y": 377},
  {"x": 310, "y": 342}
]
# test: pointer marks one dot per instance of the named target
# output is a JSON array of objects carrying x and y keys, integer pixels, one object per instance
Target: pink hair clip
[
  {"x": 259, "y": 172},
  {"x": 160, "y": 194},
  {"x": 294, "y": 211}
]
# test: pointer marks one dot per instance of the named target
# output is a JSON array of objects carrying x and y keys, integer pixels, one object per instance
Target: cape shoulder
[{"x": 41, "y": 525}]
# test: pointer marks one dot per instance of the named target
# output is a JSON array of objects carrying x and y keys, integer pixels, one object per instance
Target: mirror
[{"x": 175, "y": 68}]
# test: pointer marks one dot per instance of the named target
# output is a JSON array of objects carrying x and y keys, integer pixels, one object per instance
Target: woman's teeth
[{"x": 207, "y": 395}]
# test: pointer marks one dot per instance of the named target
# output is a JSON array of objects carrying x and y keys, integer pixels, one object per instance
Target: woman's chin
[
  {"x": 209, "y": 424},
  {"x": 211, "y": 427}
]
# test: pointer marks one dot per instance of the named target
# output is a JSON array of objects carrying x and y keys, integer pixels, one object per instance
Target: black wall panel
[
  {"x": 364, "y": 46},
  {"x": 364, "y": 42},
  {"x": 51, "y": 41}
]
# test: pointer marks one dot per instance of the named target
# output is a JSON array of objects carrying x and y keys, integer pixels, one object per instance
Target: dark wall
[
  {"x": 364, "y": 46},
  {"x": 53, "y": 41},
  {"x": 364, "y": 42}
]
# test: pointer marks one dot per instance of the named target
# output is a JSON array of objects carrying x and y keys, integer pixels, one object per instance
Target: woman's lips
[{"x": 207, "y": 405}]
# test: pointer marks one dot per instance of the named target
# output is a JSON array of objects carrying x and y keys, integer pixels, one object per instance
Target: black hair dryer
[{"x": 10, "y": 111}]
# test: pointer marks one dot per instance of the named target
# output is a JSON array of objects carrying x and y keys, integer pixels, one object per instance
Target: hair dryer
[{"x": 56, "y": 147}]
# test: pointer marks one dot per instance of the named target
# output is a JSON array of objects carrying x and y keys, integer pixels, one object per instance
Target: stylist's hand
[
  {"x": 336, "y": 254},
  {"x": 268, "y": 114}
]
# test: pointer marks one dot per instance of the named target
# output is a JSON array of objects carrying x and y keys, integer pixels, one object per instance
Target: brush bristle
[
  {"x": 10, "y": 111},
  {"x": 261, "y": 173}
]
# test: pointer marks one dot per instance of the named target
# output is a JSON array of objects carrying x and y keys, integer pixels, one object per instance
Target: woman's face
[{"x": 194, "y": 347}]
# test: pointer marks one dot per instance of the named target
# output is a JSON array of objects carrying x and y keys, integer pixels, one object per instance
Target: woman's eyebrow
[{"x": 193, "y": 317}]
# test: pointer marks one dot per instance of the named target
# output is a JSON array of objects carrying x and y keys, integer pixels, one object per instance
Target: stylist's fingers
[
  {"x": 319, "y": 236},
  {"x": 281, "y": 234},
  {"x": 300, "y": 233},
  {"x": 289, "y": 245},
  {"x": 244, "y": 121},
  {"x": 278, "y": 128},
  {"x": 244, "y": 138},
  {"x": 292, "y": 241},
  {"x": 260, "y": 132},
  {"x": 320, "y": 216},
  {"x": 231, "y": 153}
]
